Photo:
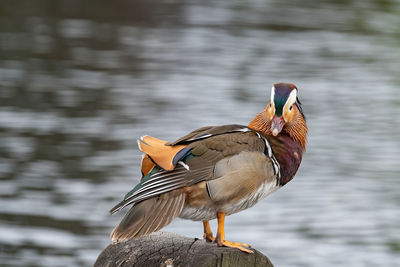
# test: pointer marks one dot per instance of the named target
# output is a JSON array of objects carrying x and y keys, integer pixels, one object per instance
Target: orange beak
[{"x": 277, "y": 125}]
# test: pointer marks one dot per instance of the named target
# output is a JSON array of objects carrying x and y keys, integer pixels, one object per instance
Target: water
[{"x": 79, "y": 82}]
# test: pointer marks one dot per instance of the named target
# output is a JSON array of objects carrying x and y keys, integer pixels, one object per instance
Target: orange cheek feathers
[
  {"x": 270, "y": 112},
  {"x": 288, "y": 115}
]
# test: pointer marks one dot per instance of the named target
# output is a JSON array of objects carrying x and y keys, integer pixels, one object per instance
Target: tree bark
[{"x": 171, "y": 250}]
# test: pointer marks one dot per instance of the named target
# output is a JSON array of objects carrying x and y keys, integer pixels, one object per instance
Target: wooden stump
[{"x": 170, "y": 250}]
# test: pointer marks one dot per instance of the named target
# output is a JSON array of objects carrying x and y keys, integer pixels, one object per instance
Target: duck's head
[{"x": 284, "y": 108}]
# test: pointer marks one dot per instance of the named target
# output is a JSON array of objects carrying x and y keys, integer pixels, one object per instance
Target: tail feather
[
  {"x": 158, "y": 219},
  {"x": 149, "y": 216}
]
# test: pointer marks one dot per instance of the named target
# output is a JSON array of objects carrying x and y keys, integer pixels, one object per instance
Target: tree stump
[{"x": 171, "y": 250}]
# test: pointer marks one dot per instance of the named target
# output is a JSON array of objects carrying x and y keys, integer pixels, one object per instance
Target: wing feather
[{"x": 209, "y": 131}]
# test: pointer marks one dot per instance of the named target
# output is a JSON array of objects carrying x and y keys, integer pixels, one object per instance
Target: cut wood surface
[{"x": 167, "y": 249}]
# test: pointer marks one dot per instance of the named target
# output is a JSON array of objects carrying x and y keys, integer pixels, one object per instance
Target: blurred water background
[{"x": 81, "y": 80}]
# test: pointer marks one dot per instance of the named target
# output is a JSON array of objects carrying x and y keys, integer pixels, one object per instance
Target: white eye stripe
[
  {"x": 272, "y": 94},
  {"x": 291, "y": 99}
]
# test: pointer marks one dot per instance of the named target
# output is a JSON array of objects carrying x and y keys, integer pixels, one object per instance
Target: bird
[{"x": 216, "y": 171}]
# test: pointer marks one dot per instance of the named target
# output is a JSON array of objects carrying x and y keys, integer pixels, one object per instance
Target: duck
[{"x": 216, "y": 171}]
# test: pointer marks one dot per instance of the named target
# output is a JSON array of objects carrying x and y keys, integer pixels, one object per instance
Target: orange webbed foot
[
  {"x": 241, "y": 246},
  {"x": 220, "y": 239},
  {"x": 208, "y": 235},
  {"x": 209, "y": 238}
]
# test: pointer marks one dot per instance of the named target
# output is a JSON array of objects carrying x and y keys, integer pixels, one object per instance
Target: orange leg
[
  {"x": 208, "y": 235},
  {"x": 220, "y": 239}
]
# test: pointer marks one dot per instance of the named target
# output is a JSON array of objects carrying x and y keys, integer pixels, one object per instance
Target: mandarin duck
[{"x": 216, "y": 171}]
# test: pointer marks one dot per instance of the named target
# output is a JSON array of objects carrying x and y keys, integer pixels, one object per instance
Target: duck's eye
[{"x": 290, "y": 108}]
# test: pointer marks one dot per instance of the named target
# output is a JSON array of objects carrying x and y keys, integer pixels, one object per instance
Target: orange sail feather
[{"x": 162, "y": 154}]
